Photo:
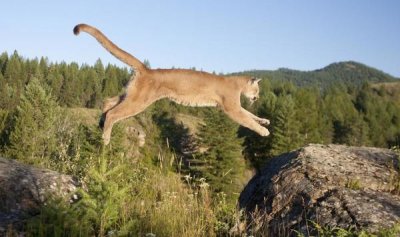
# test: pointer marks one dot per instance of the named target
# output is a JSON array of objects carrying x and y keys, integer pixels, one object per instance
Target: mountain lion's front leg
[
  {"x": 258, "y": 119},
  {"x": 240, "y": 116}
]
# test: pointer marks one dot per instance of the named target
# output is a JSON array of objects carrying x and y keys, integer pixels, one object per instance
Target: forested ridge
[
  {"x": 349, "y": 73},
  {"x": 160, "y": 189}
]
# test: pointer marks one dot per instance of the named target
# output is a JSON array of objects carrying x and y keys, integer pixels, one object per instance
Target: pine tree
[
  {"x": 55, "y": 81},
  {"x": 32, "y": 138},
  {"x": 110, "y": 84},
  {"x": 101, "y": 203},
  {"x": 4, "y": 119},
  {"x": 91, "y": 96},
  {"x": 3, "y": 62},
  {"x": 348, "y": 125},
  {"x": 15, "y": 78},
  {"x": 257, "y": 149},
  {"x": 307, "y": 113},
  {"x": 44, "y": 66},
  {"x": 223, "y": 164},
  {"x": 285, "y": 133},
  {"x": 71, "y": 88}
]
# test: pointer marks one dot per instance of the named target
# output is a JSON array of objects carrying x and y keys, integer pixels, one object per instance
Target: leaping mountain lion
[{"x": 188, "y": 87}]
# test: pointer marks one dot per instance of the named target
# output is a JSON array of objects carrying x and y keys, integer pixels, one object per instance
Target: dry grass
[
  {"x": 189, "y": 121},
  {"x": 84, "y": 115},
  {"x": 392, "y": 88},
  {"x": 166, "y": 207}
]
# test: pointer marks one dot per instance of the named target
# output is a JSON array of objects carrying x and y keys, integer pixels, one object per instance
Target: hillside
[
  {"x": 349, "y": 73},
  {"x": 49, "y": 114},
  {"x": 317, "y": 190},
  {"x": 392, "y": 89}
]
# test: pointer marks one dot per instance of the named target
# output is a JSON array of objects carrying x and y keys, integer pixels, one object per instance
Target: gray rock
[
  {"x": 334, "y": 186},
  {"x": 24, "y": 189}
]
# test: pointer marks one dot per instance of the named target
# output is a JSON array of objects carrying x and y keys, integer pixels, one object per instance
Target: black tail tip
[{"x": 77, "y": 29}]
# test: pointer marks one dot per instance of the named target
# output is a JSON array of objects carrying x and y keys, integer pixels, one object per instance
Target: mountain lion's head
[{"x": 252, "y": 90}]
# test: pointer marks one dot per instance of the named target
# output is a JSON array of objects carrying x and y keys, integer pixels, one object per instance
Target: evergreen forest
[{"x": 186, "y": 178}]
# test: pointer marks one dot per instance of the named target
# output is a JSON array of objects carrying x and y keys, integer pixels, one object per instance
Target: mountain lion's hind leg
[
  {"x": 130, "y": 105},
  {"x": 121, "y": 111},
  {"x": 108, "y": 104}
]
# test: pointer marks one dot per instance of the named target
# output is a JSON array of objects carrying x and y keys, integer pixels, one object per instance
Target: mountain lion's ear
[{"x": 254, "y": 80}]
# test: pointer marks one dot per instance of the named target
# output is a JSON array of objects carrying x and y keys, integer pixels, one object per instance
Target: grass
[
  {"x": 126, "y": 198},
  {"x": 84, "y": 115},
  {"x": 141, "y": 201},
  {"x": 354, "y": 184}
]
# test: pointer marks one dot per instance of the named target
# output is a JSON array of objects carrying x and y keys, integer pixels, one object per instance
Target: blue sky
[{"x": 213, "y": 35}]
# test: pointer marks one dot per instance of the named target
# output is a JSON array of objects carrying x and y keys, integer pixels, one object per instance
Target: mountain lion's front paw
[
  {"x": 264, "y": 121},
  {"x": 264, "y": 132}
]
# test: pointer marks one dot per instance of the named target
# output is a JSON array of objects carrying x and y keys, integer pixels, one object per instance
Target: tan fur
[{"x": 186, "y": 87}]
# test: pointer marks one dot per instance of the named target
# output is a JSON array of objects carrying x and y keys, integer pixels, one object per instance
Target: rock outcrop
[
  {"x": 24, "y": 189},
  {"x": 333, "y": 186}
]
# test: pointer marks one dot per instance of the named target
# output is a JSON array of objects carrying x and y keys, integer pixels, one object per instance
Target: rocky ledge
[{"x": 331, "y": 185}]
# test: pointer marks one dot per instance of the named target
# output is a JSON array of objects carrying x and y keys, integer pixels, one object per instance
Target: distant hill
[{"x": 349, "y": 73}]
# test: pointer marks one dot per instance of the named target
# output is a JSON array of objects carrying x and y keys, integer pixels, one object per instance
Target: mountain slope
[{"x": 349, "y": 73}]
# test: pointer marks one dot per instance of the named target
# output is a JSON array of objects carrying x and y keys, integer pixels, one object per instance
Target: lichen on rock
[{"x": 332, "y": 185}]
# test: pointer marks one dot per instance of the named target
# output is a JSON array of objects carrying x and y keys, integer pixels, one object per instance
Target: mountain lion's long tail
[{"x": 110, "y": 46}]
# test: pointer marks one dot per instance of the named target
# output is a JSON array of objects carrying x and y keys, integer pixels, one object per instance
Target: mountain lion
[{"x": 188, "y": 87}]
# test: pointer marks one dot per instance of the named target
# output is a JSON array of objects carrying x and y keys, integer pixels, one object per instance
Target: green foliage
[
  {"x": 164, "y": 206},
  {"x": 348, "y": 73},
  {"x": 221, "y": 164},
  {"x": 100, "y": 206},
  {"x": 226, "y": 216},
  {"x": 4, "y": 120},
  {"x": 312, "y": 124},
  {"x": 57, "y": 219},
  {"x": 135, "y": 194},
  {"x": 354, "y": 184},
  {"x": 285, "y": 127},
  {"x": 135, "y": 201},
  {"x": 71, "y": 85},
  {"x": 31, "y": 138}
]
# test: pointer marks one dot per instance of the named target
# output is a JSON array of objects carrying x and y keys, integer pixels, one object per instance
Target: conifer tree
[
  {"x": 71, "y": 88},
  {"x": 110, "y": 84},
  {"x": 257, "y": 149},
  {"x": 55, "y": 81},
  {"x": 4, "y": 117},
  {"x": 13, "y": 69},
  {"x": 223, "y": 164},
  {"x": 3, "y": 85},
  {"x": 101, "y": 203},
  {"x": 285, "y": 133},
  {"x": 32, "y": 138},
  {"x": 307, "y": 113},
  {"x": 3, "y": 62},
  {"x": 348, "y": 126}
]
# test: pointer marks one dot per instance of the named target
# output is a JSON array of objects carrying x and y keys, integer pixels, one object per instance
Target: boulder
[
  {"x": 326, "y": 185},
  {"x": 24, "y": 189}
]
